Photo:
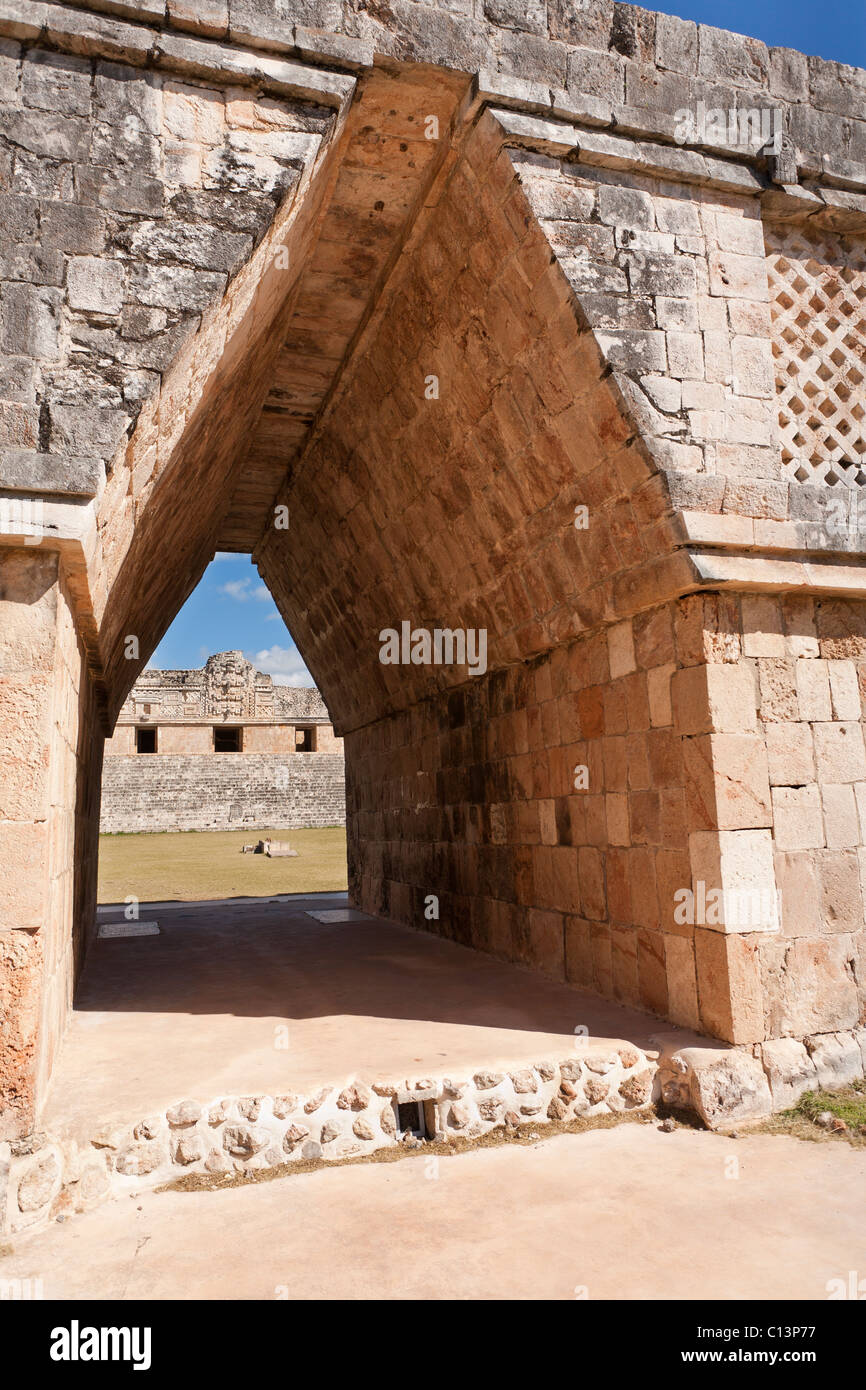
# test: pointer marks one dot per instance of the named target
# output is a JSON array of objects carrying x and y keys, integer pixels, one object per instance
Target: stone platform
[
  {"x": 251, "y": 1033},
  {"x": 248, "y": 1033}
]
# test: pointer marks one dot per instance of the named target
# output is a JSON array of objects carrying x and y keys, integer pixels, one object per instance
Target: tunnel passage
[{"x": 439, "y": 347}]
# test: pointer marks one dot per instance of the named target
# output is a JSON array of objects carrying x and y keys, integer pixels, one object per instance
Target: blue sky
[
  {"x": 826, "y": 28},
  {"x": 232, "y": 610}
]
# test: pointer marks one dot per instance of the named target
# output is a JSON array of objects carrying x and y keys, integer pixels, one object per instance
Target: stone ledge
[
  {"x": 727, "y": 1085},
  {"x": 54, "y": 1173},
  {"x": 47, "y": 1175},
  {"x": 96, "y": 35},
  {"x": 94, "y": 29},
  {"x": 53, "y": 475}
]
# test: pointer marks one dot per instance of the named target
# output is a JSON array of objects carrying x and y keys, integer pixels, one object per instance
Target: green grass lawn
[{"x": 209, "y": 864}]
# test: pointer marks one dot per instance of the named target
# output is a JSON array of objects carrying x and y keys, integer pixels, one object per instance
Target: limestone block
[
  {"x": 777, "y": 690},
  {"x": 790, "y": 755},
  {"x": 719, "y": 698},
  {"x": 813, "y": 690},
  {"x": 725, "y": 1085},
  {"x": 836, "y": 1057},
  {"x": 844, "y": 689},
  {"x": 806, "y": 986},
  {"x": 839, "y": 752},
  {"x": 798, "y": 879},
  {"x": 727, "y": 781},
  {"x": 739, "y": 863},
  {"x": 841, "y": 822},
  {"x": 95, "y": 285},
  {"x": 842, "y": 898},
  {"x": 681, "y": 981},
  {"x": 797, "y": 819},
  {"x": 620, "y": 639},
  {"x": 790, "y": 1070},
  {"x": 762, "y": 626}
]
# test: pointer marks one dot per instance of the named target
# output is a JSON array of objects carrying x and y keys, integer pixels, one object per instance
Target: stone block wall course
[{"x": 222, "y": 791}]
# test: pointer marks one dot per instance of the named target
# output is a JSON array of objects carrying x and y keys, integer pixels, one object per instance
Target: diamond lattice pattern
[{"x": 818, "y": 303}]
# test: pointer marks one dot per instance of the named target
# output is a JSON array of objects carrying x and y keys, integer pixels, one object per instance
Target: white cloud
[
  {"x": 243, "y": 589},
  {"x": 285, "y": 664}
]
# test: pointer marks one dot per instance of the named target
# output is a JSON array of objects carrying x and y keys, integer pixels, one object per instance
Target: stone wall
[
  {"x": 591, "y": 296},
  {"x": 222, "y": 791}
]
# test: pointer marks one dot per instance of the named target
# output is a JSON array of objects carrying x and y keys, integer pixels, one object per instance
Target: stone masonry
[
  {"x": 463, "y": 316},
  {"x": 287, "y": 770}
]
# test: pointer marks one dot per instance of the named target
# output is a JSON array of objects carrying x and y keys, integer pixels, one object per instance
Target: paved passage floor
[
  {"x": 627, "y": 1213},
  {"x": 259, "y": 997}
]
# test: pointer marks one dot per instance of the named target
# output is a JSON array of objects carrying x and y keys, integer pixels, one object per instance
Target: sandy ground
[{"x": 628, "y": 1213}]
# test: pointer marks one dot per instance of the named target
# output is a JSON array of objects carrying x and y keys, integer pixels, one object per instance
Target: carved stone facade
[{"x": 221, "y": 748}]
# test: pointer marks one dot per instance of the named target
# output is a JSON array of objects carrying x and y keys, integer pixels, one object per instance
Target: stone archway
[{"x": 504, "y": 371}]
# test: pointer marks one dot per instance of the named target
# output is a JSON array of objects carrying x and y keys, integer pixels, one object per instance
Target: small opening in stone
[
  {"x": 145, "y": 740},
  {"x": 227, "y": 740},
  {"x": 415, "y": 1117},
  {"x": 304, "y": 741}
]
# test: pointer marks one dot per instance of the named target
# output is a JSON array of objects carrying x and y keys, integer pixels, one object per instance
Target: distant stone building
[{"x": 165, "y": 767}]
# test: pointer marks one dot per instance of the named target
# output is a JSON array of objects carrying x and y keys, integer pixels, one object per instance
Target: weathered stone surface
[
  {"x": 139, "y": 1159},
  {"x": 284, "y": 1105},
  {"x": 294, "y": 1136},
  {"x": 187, "y": 1112},
  {"x": 190, "y": 1149},
  {"x": 524, "y": 1082},
  {"x": 312, "y": 1105},
  {"x": 39, "y": 1183},
  {"x": 354, "y": 1097},
  {"x": 243, "y": 1141},
  {"x": 725, "y": 1086},
  {"x": 148, "y": 1129}
]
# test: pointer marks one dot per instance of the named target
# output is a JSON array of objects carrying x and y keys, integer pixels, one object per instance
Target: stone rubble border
[{"x": 46, "y": 1176}]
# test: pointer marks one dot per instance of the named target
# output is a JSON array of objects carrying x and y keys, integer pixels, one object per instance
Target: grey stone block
[
  {"x": 17, "y": 379},
  {"x": 175, "y": 287},
  {"x": 30, "y": 320},
  {"x": 95, "y": 285},
  {"x": 18, "y": 217},
  {"x": 56, "y": 82},
  {"x": 528, "y": 16},
  {"x": 789, "y": 74},
  {"x": 633, "y": 32},
  {"x": 599, "y": 75},
  {"x": 47, "y": 135},
  {"x": 734, "y": 58},
  {"x": 197, "y": 244},
  {"x": 587, "y": 25},
  {"x": 837, "y": 87},
  {"x": 68, "y": 227},
  {"x": 676, "y": 44},
  {"x": 25, "y": 470},
  {"x": 121, "y": 93},
  {"x": 119, "y": 192},
  {"x": 634, "y": 349},
  {"x": 656, "y": 273},
  {"x": 32, "y": 263},
  {"x": 87, "y": 430}
]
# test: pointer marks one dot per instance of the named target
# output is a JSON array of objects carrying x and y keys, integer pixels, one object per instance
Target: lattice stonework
[{"x": 818, "y": 302}]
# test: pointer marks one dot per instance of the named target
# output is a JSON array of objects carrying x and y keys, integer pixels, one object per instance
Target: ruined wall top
[
  {"x": 650, "y": 60},
  {"x": 226, "y": 687}
]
